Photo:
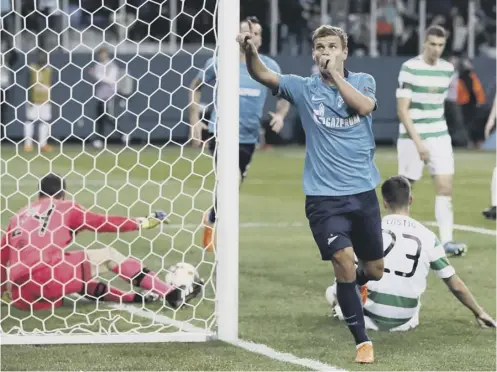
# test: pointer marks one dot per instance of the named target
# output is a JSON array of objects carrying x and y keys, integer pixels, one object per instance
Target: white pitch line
[
  {"x": 261, "y": 349},
  {"x": 478, "y": 230}
]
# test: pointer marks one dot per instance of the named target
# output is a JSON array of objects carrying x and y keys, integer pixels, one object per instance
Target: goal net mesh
[{"x": 141, "y": 161}]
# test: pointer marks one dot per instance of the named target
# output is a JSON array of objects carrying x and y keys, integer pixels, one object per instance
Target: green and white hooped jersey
[
  {"x": 411, "y": 250},
  {"x": 427, "y": 87}
]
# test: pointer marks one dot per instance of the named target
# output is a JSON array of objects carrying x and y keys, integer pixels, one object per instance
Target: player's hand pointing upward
[{"x": 245, "y": 40}]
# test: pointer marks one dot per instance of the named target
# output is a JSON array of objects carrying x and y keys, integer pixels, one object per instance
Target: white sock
[
  {"x": 29, "y": 130},
  {"x": 445, "y": 217},
  {"x": 494, "y": 188},
  {"x": 43, "y": 133}
]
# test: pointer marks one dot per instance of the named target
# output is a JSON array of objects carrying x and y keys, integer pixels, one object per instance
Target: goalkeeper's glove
[{"x": 153, "y": 220}]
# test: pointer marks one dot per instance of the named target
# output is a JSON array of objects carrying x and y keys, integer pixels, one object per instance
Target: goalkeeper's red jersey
[{"x": 37, "y": 235}]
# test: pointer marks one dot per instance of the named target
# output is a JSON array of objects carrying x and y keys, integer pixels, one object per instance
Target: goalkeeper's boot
[
  {"x": 180, "y": 296},
  {"x": 46, "y": 148},
  {"x": 457, "y": 249},
  {"x": 209, "y": 236},
  {"x": 490, "y": 213},
  {"x": 28, "y": 148},
  {"x": 365, "y": 353}
]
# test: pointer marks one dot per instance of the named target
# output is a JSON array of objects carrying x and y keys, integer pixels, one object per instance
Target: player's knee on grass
[
  {"x": 343, "y": 262},
  {"x": 373, "y": 269},
  {"x": 443, "y": 184}
]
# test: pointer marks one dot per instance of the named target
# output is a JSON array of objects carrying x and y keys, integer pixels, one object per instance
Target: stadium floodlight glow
[{"x": 135, "y": 180}]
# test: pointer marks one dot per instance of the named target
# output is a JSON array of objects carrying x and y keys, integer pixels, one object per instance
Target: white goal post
[{"x": 137, "y": 188}]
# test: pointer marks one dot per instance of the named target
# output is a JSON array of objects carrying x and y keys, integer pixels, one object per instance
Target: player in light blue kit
[
  {"x": 340, "y": 177},
  {"x": 252, "y": 99}
]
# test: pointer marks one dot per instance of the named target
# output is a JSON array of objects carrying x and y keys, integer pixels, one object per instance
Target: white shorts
[
  {"x": 39, "y": 112},
  {"x": 441, "y": 160}
]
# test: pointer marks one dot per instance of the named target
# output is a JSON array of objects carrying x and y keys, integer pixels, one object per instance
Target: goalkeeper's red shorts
[{"x": 47, "y": 286}]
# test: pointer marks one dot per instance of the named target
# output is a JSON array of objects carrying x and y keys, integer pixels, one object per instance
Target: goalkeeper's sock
[
  {"x": 29, "y": 130},
  {"x": 133, "y": 271},
  {"x": 97, "y": 290},
  {"x": 445, "y": 217},
  {"x": 350, "y": 303}
]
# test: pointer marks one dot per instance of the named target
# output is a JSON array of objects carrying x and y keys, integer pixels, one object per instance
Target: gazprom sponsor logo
[{"x": 334, "y": 122}]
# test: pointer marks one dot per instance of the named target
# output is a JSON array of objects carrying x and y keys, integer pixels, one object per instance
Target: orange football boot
[{"x": 365, "y": 353}]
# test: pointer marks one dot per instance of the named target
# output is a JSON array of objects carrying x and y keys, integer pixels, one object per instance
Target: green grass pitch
[{"x": 282, "y": 279}]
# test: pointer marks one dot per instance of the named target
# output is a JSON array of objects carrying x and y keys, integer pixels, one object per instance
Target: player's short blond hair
[{"x": 326, "y": 30}]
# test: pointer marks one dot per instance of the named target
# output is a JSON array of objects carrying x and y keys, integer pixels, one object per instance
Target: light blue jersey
[
  {"x": 252, "y": 98},
  {"x": 340, "y": 144}
]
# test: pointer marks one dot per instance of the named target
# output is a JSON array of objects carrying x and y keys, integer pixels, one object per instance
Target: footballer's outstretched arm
[
  {"x": 463, "y": 294},
  {"x": 82, "y": 219},
  {"x": 256, "y": 68}
]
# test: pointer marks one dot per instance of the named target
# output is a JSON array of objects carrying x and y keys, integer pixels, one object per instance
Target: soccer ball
[{"x": 182, "y": 275}]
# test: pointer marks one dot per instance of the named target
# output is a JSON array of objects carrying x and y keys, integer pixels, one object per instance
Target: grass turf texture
[{"x": 282, "y": 279}]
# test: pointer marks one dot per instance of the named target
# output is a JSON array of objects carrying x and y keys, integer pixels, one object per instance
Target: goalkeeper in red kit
[{"x": 41, "y": 273}]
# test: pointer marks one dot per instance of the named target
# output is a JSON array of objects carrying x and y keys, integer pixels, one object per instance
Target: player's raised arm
[
  {"x": 363, "y": 101},
  {"x": 256, "y": 68}
]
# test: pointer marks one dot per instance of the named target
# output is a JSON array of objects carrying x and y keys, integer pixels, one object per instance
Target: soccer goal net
[{"x": 99, "y": 93}]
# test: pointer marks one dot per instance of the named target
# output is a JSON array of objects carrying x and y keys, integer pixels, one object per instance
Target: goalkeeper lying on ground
[
  {"x": 411, "y": 250},
  {"x": 41, "y": 273}
]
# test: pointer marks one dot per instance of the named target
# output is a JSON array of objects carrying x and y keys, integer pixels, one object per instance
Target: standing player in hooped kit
[
  {"x": 423, "y": 134},
  {"x": 340, "y": 176},
  {"x": 252, "y": 100}
]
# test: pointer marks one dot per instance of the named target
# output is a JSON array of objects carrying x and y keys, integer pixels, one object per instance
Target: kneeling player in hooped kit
[
  {"x": 411, "y": 252},
  {"x": 41, "y": 273}
]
